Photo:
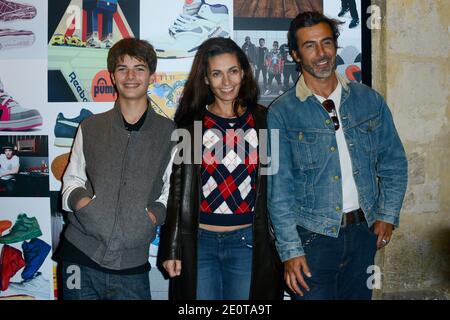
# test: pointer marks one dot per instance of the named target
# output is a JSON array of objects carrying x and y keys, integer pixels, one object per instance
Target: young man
[
  {"x": 116, "y": 186},
  {"x": 342, "y": 173}
]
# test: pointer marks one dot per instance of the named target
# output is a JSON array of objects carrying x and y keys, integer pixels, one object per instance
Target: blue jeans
[
  {"x": 224, "y": 264},
  {"x": 83, "y": 283},
  {"x": 339, "y": 265}
]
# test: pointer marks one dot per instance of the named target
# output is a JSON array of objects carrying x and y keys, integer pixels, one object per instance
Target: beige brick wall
[{"x": 411, "y": 69}]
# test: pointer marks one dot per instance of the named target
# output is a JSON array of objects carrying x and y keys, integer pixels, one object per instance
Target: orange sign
[{"x": 102, "y": 89}]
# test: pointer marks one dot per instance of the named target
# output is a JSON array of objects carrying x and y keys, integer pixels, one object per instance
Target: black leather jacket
[{"x": 179, "y": 235}]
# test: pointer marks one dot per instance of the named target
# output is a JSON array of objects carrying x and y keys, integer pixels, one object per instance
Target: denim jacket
[{"x": 306, "y": 190}]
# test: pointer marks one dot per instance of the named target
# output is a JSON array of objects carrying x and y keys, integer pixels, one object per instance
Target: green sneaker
[{"x": 24, "y": 229}]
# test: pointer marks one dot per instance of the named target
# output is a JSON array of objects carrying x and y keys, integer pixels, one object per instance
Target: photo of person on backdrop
[
  {"x": 328, "y": 240},
  {"x": 9, "y": 162},
  {"x": 274, "y": 64},
  {"x": 107, "y": 8},
  {"x": 217, "y": 242},
  {"x": 250, "y": 51},
  {"x": 350, "y": 5},
  {"x": 23, "y": 166},
  {"x": 9, "y": 166},
  {"x": 290, "y": 72},
  {"x": 260, "y": 63},
  {"x": 115, "y": 187}
]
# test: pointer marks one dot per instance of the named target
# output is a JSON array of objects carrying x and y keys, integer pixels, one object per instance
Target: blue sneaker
[
  {"x": 34, "y": 253},
  {"x": 65, "y": 129}
]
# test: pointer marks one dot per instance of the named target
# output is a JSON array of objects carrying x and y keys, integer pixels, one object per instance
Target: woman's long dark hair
[{"x": 197, "y": 94}]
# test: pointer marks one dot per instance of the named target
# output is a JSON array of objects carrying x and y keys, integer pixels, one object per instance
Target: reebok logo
[{"x": 77, "y": 87}]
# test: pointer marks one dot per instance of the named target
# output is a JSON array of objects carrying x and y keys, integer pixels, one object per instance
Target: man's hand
[
  {"x": 173, "y": 267},
  {"x": 151, "y": 216},
  {"x": 293, "y": 269},
  {"x": 83, "y": 202},
  {"x": 384, "y": 232}
]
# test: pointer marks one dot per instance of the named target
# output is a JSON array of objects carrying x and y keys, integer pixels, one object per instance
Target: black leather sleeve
[{"x": 169, "y": 245}]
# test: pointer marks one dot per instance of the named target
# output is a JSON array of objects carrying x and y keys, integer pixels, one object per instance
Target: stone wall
[{"x": 411, "y": 69}]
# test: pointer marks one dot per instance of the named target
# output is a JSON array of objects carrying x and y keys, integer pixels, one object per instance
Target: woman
[{"x": 216, "y": 242}]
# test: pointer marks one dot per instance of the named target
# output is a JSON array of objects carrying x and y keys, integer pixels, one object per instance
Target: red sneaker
[{"x": 11, "y": 261}]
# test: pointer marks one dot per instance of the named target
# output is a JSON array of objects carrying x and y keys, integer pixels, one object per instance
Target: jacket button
[
  {"x": 334, "y": 229},
  {"x": 338, "y": 209},
  {"x": 332, "y": 149},
  {"x": 328, "y": 121},
  {"x": 336, "y": 178}
]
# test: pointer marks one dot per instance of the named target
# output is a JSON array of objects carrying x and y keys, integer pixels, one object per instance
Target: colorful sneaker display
[
  {"x": 10, "y": 10},
  {"x": 4, "y": 225},
  {"x": 13, "y": 39},
  {"x": 11, "y": 261},
  {"x": 37, "y": 287},
  {"x": 15, "y": 117},
  {"x": 34, "y": 253},
  {"x": 24, "y": 229},
  {"x": 66, "y": 128},
  {"x": 198, "y": 22}
]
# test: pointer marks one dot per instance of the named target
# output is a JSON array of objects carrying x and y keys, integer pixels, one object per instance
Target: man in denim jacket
[{"x": 342, "y": 171}]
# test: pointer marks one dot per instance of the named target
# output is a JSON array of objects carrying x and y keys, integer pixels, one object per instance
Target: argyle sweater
[{"x": 229, "y": 170}]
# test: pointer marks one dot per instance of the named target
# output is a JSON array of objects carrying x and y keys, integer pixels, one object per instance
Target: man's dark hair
[
  {"x": 262, "y": 39},
  {"x": 135, "y": 48},
  {"x": 309, "y": 19}
]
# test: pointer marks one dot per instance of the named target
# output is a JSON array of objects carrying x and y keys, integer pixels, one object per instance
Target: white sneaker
[
  {"x": 12, "y": 39},
  {"x": 193, "y": 27},
  {"x": 93, "y": 42},
  {"x": 37, "y": 287},
  {"x": 15, "y": 117},
  {"x": 107, "y": 43}
]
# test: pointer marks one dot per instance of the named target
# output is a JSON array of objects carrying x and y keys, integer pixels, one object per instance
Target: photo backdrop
[{"x": 53, "y": 75}]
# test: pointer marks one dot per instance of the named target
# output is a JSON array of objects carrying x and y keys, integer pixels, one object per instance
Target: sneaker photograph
[
  {"x": 198, "y": 22},
  {"x": 354, "y": 23},
  {"x": 11, "y": 261},
  {"x": 24, "y": 228},
  {"x": 4, "y": 225},
  {"x": 34, "y": 254},
  {"x": 15, "y": 39},
  {"x": 37, "y": 287},
  {"x": 107, "y": 42},
  {"x": 93, "y": 41},
  {"x": 14, "y": 117},
  {"x": 12, "y": 10},
  {"x": 66, "y": 128}
]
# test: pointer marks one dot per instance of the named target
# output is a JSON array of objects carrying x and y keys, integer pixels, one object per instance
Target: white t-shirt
[
  {"x": 349, "y": 191},
  {"x": 8, "y": 164}
]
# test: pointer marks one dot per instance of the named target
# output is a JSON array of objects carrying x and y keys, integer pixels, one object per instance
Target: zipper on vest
[{"x": 118, "y": 194}]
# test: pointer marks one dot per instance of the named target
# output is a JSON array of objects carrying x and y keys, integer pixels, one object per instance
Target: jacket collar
[
  {"x": 118, "y": 120},
  {"x": 303, "y": 92}
]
